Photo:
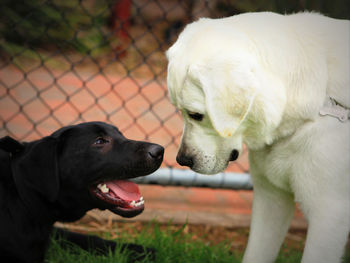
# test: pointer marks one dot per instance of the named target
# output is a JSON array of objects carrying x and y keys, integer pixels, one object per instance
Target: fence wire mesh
[
  {"x": 68, "y": 61},
  {"x": 65, "y": 62}
]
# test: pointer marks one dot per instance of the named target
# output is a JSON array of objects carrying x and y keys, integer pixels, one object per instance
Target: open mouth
[{"x": 123, "y": 197}]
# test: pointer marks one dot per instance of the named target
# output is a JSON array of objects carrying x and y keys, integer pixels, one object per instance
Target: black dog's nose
[
  {"x": 234, "y": 155},
  {"x": 156, "y": 151},
  {"x": 184, "y": 160}
]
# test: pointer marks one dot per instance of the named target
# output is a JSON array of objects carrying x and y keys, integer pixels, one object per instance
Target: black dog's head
[{"x": 82, "y": 167}]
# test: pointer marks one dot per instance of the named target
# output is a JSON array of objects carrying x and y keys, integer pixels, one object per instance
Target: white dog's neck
[{"x": 273, "y": 117}]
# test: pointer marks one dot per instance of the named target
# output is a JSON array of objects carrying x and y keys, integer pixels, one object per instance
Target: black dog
[{"x": 60, "y": 178}]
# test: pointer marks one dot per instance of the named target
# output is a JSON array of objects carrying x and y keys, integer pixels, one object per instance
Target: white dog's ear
[{"x": 229, "y": 94}]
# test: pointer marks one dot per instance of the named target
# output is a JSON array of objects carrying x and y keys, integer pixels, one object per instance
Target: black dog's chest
[{"x": 29, "y": 240}]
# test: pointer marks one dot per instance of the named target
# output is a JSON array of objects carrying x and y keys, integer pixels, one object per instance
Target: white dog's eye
[{"x": 195, "y": 115}]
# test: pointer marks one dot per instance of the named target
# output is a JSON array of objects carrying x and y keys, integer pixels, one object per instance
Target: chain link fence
[{"x": 68, "y": 61}]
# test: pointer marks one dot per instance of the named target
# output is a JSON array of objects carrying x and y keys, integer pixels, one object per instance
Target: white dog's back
[{"x": 313, "y": 36}]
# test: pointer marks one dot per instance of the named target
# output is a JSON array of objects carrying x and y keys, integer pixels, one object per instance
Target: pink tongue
[{"x": 125, "y": 190}]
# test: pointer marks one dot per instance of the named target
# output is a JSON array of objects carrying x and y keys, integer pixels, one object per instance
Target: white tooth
[
  {"x": 140, "y": 203},
  {"x": 103, "y": 188},
  {"x": 141, "y": 198},
  {"x": 133, "y": 203}
]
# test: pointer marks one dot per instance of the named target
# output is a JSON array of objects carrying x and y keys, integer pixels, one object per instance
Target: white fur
[{"x": 261, "y": 79}]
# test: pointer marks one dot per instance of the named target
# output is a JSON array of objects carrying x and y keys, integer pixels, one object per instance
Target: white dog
[{"x": 279, "y": 84}]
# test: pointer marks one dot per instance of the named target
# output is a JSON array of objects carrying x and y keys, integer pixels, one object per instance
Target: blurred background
[{"x": 68, "y": 61}]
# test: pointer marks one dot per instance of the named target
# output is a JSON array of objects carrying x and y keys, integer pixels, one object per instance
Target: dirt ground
[
  {"x": 235, "y": 237},
  {"x": 212, "y": 235}
]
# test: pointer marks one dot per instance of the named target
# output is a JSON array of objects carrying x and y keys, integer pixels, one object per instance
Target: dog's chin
[
  {"x": 127, "y": 212},
  {"x": 208, "y": 170}
]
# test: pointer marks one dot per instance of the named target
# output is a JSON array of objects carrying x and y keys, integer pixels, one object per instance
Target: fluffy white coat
[{"x": 262, "y": 79}]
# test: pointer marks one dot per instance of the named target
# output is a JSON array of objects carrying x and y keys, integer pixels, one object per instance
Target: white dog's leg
[
  {"x": 329, "y": 222},
  {"x": 327, "y": 235},
  {"x": 272, "y": 212}
]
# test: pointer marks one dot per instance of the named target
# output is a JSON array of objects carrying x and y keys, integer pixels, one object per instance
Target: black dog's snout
[
  {"x": 156, "y": 151},
  {"x": 234, "y": 155},
  {"x": 184, "y": 160}
]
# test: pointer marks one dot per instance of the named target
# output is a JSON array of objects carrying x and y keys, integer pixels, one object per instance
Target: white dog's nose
[
  {"x": 184, "y": 160},
  {"x": 234, "y": 155}
]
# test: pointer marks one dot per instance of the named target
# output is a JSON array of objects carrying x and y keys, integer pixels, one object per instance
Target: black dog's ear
[
  {"x": 10, "y": 145},
  {"x": 35, "y": 169}
]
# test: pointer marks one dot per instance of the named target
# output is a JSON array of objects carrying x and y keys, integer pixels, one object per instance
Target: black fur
[{"x": 48, "y": 180}]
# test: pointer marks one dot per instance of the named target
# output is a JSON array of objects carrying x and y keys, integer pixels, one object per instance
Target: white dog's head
[{"x": 214, "y": 79}]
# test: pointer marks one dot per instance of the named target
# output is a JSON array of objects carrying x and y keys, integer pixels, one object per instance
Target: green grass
[{"x": 172, "y": 245}]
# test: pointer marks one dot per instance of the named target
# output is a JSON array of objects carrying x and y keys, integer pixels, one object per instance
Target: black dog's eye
[
  {"x": 101, "y": 141},
  {"x": 196, "y": 116}
]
